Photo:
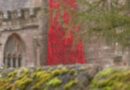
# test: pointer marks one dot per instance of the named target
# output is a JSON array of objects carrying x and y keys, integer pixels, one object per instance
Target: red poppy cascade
[{"x": 61, "y": 49}]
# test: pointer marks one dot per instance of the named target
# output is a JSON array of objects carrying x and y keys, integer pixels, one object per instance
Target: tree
[{"x": 105, "y": 18}]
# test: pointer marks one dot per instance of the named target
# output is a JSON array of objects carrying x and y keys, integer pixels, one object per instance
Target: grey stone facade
[
  {"x": 98, "y": 51},
  {"x": 21, "y": 18}
]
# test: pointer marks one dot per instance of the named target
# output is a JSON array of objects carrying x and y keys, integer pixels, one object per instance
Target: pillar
[
  {"x": 11, "y": 61},
  {"x": 44, "y": 25}
]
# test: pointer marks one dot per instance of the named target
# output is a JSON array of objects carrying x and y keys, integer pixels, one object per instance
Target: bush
[{"x": 111, "y": 79}]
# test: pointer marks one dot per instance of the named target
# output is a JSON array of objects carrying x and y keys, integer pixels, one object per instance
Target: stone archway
[{"x": 14, "y": 51}]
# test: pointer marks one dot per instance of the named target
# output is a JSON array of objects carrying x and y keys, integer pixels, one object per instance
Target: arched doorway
[{"x": 14, "y": 51}]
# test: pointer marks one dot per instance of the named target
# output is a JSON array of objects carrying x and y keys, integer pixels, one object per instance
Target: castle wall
[
  {"x": 27, "y": 35},
  {"x": 28, "y": 19},
  {"x": 26, "y": 24},
  {"x": 99, "y": 52}
]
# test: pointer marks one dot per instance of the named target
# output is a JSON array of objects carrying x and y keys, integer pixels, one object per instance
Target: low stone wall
[{"x": 73, "y": 77}]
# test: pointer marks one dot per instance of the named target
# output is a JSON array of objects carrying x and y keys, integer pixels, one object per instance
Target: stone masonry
[
  {"x": 20, "y": 30},
  {"x": 24, "y": 33}
]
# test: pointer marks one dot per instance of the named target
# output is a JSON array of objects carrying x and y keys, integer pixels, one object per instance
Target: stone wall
[
  {"x": 98, "y": 51},
  {"x": 70, "y": 77},
  {"x": 29, "y": 20},
  {"x": 73, "y": 77},
  {"x": 26, "y": 19}
]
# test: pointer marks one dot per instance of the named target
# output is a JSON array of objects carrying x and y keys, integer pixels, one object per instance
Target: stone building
[
  {"x": 20, "y": 32},
  {"x": 23, "y": 36}
]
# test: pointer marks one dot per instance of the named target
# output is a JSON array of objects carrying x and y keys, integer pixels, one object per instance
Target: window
[{"x": 14, "y": 49}]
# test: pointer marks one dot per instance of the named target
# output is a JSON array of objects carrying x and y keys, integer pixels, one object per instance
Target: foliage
[
  {"x": 109, "y": 20},
  {"x": 70, "y": 84},
  {"x": 39, "y": 79},
  {"x": 54, "y": 82},
  {"x": 111, "y": 79}
]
